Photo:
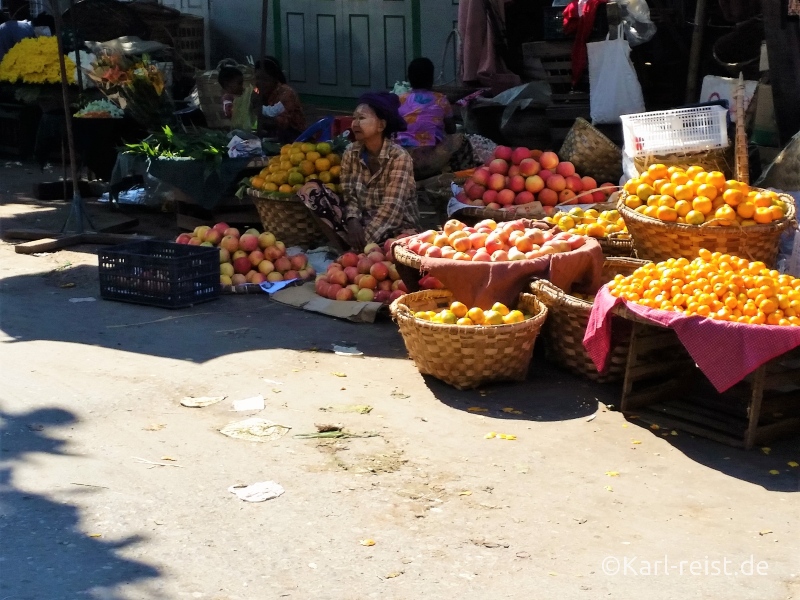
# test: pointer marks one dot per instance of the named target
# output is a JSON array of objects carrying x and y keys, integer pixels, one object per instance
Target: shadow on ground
[{"x": 44, "y": 553}]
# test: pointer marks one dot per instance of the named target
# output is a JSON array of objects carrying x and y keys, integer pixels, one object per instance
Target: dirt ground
[{"x": 583, "y": 504}]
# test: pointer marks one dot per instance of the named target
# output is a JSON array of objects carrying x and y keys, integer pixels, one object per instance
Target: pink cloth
[
  {"x": 479, "y": 61},
  {"x": 725, "y": 352}
]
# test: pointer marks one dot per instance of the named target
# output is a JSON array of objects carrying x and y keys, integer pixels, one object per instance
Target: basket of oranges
[
  {"x": 466, "y": 347},
  {"x": 673, "y": 212},
  {"x": 602, "y": 222},
  {"x": 274, "y": 190},
  {"x": 568, "y": 316}
]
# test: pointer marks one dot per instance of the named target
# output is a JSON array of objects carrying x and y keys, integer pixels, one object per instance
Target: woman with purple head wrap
[{"x": 379, "y": 196}]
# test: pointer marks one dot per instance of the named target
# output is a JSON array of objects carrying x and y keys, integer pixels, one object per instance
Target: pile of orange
[
  {"x": 694, "y": 197},
  {"x": 297, "y": 164},
  {"x": 717, "y": 286},
  {"x": 458, "y": 314}
]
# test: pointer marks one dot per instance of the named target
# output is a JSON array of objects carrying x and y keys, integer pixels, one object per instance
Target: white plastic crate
[{"x": 678, "y": 130}]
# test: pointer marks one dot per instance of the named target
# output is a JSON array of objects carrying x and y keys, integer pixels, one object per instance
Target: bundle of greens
[{"x": 198, "y": 144}]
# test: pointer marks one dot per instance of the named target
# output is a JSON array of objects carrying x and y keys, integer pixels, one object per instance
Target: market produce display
[
  {"x": 297, "y": 164},
  {"x": 458, "y": 314},
  {"x": 367, "y": 277},
  {"x": 590, "y": 222},
  {"x": 250, "y": 257},
  {"x": 199, "y": 144},
  {"x": 519, "y": 176},
  {"x": 35, "y": 60},
  {"x": 696, "y": 197},
  {"x": 717, "y": 286},
  {"x": 100, "y": 109},
  {"x": 492, "y": 241}
]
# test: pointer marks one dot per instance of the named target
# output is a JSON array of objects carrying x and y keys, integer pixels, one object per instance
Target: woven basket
[
  {"x": 657, "y": 240},
  {"x": 209, "y": 93},
  {"x": 616, "y": 244},
  {"x": 717, "y": 159},
  {"x": 437, "y": 192},
  {"x": 287, "y": 217},
  {"x": 466, "y": 357},
  {"x": 566, "y": 326},
  {"x": 592, "y": 153}
]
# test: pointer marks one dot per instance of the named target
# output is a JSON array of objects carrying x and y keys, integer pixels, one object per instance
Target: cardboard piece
[
  {"x": 723, "y": 88},
  {"x": 306, "y": 298}
]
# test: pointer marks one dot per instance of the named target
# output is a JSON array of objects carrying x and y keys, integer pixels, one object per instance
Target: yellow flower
[{"x": 35, "y": 60}]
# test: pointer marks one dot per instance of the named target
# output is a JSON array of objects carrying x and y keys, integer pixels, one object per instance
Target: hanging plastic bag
[
  {"x": 614, "y": 87},
  {"x": 636, "y": 19}
]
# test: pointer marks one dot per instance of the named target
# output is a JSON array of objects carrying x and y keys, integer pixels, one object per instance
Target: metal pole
[
  {"x": 694, "y": 53},
  {"x": 262, "y": 50}
]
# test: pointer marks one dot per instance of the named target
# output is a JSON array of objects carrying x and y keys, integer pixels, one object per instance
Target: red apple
[
  {"x": 344, "y": 295},
  {"x": 516, "y": 183},
  {"x": 498, "y": 166},
  {"x": 395, "y": 295},
  {"x": 333, "y": 289},
  {"x": 351, "y": 273},
  {"x": 283, "y": 264},
  {"x": 512, "y": 171},
  {"x": 248, "y": 242},
  {"x": 556, "y": 183},
  {"x": 368, "y": 282},
  {"x": 241, "y": 265},
  {"x": 574, "y": 183},
  {"x": 230, "y": 243},
  {"x": 382, "y": 296},
  {"x": 565, "y": 169},
  {"x": 548, "y": 197},
  {"x": 385, "y": 285},
  {"x": 589, "y": 183},
  {"x": 524, "y": 198},
  {"x": 505, "y": 197},
  {"x": 481, "y": 256},
  {"x": 379, "y": 271},
  {"x": 337, "y": 277},
  {"x": 529, "y": 167},
  {"x": 221, "y": 228},
  {"x": 434, "y": 252},
  {"x": 364, "y": 265},
  {"x": 534, "y": 184},
  {"x": 520, "y": 154},
  {"x": 292, "y": 274},
  {"x": 232, "y": 231},
  {"x": 567, "y": 197},
  {"x": 548, "y": 160},
  {"x": 255, "y": 257},
  {"x": 503, "y": 152},
  {"x": 489, "y": 196},
  {"x": 496, "y": 182},
  {"x": 545, "y": 174},
  {"x": 299, "y": 261},
  {"x": 598, "y": 196},
  {"x": 475, "y": 192},
  {"x": 499, "y": 256},
  {"x": 481, "y": 176},
  {"x": 183, "y": 238}
]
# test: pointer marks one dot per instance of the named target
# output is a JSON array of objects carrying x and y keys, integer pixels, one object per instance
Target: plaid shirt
[{"x": 386, "y": 200}]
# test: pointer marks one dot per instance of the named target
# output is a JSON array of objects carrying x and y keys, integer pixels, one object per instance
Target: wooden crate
[{"x": 662, "y": 386}]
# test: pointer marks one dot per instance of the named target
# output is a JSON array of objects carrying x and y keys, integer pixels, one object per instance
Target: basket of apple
[{"x": 467, "y": 346}]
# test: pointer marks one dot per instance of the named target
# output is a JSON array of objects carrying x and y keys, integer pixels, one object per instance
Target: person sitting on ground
[
  {"x": 379, "y": 197},
  {"x": 431, "y": 137},
  {"x": 12, "y": 32},
  {"x": 231, "y": 80},
  {"x": 281, "y": 110}
]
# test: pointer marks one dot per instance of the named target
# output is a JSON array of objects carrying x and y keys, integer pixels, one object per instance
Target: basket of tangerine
[
  {"x": 468, "y": 346},
  {"x": 672, "y": 212}
]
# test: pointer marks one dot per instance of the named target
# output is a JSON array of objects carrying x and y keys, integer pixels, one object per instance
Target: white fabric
[
  {"x": 273, "y": 110},
  {"x": 614, "y": 87}
]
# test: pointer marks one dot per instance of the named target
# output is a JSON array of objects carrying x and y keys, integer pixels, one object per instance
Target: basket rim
[
  {"x": 536, "y": 320},
  {"x": 275, "y": 196},
  {"x": 788, "y": 218}
]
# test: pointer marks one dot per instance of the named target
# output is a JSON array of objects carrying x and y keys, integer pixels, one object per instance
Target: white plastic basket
[{"x": 678, "y": 130}]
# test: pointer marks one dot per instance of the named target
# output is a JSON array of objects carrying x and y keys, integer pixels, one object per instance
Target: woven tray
[
  {"x": 566, "y": 326},
  {"x": 658, "y": 240},
  {"x": 466, "y": 357},
  {"x": 287, "y": 217},
  {"x": 592, "y": 153}
]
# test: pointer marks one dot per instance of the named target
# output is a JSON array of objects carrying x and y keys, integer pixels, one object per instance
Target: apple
[
  {"x": 514, "y": 254},
  {"x": 481, "y": 176},
  {"x": 230, "y": 243},
  {"x": 441, "y": 241},
  {"x": 494, "y": 206},
  {"x": 505, "y": 197},
  {"x": 498, "y": 166},
  {"x": 548, "y": 197},
  {"x": 395, "y": 295},
  {"x": 364, "y": 265},
  {"x": 348, "y": 259},
  {"x": 351, "y": 273},
  {"x": 574, "y": 183},
  {"x": 239, "y": 254},
  {"x": 534, "y": 184},
  {"x": 257, "y": 278},
  {"x": 226, "y": 269},
  {"x": 333, "y": 289},
  {"x": 379, "y": 271},
  {"x": 565, "y": 169},
  {"x": 344, "y": 295},
  {"x": 434, "y": 252},
  {"x": 207, "y": 244},
  {"x": 371, "y": 247},
  {"x": 385, "y": 285},
  {"x": 338, "y": 277},
  {"x": 503, "y": 153},
  {"x": 427, "y": 236},
  {"x": 448, "y": 252},
  {"x": 493, "y": 243},
  {"x": 281, "y": 247},
  {"x": 265, "y": 267},
  {"x": 382, "y": 296},
  {"x": 536, "y": 154},
  {"x": 598, "y": 196},
  {"x": 516, "y": 183},
  {"x": 462, "y": 197},
  {"x": 529, "y": 167},
  {"x": 489, "y": 196},
  {"x": 452, "y": 226},
  {"x": 387, "y": 246},
  {"x": 497, "y": 182},
  {"x": 365, "y": 295},
  {"x": 424, "y": 248},
  {"x": 225, "y": 280},
  {"x": 512, "y": 171},
  {"x": 201, "y": 231},
  {"x": 291, "y": 274},
  {"x": 548, "y": 160},
  {"x": 298, "y": 261},
  {"x": 499, "y": 256},
  {"x": 475, "y": 192},
  {"x": 224, "y": 256},
  {"x": 399, "y": 285},
  {"x": 567, "y": 197},
  {"x": 248, "y": 242},
  {"x": 274, "y": 276},
  {"x": 589, "y": 183},
  {"x": 576, "y": 241},
  {"x": 266, "y": 239},
  {"x": 368, "y": 282},
  {"x": 481, "y": 256},
  {"x": 524, "y": 198},
  {"x": 353, "y": 288},
  {"x": 221, "y": 228},
  {"x": 283, "y": 264},
  {"x": 393, "y": 274},
  {"x": 520, "y": 154},
  {"x": 232, "y": 231},
  {"x": 255, "y": 257},
  {"x": 183, "y": 238},
  {"x": 195, "y": 241},
  {"x": 241, "y": 265},
  {"x": 238, "y": 279},
  {"x": 556, "y": 182},
  {"x": 545, "y": 174}
]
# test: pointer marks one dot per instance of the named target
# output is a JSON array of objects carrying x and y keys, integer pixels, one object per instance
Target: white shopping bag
[{"x": 613, "y": 85}]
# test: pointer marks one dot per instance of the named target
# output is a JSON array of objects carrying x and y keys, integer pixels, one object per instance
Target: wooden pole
[
  {"x": 694, "y": 53},
  {"x": 262, "y": 50},
  {"x": 742, "y": 160}
]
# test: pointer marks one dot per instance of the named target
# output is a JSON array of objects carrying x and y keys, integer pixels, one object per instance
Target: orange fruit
[
  {"x": 679, "y": 178},
  {"x": 651, "y": 211},
  {"x": 644, "y": 191},
  {"x": 668, "y": 189},
  {"x": 595, "y": 230},
  {"x": 658, "y": 183},
  {"x": 631, "y": 185},
  {"x": 745, "y": 210},
  {"x": 514, "y": 316},
  {"x": 694, "y": 170},
  {"x": 733, "y": 197},
  {"x": 667, "y": 213},
  {"x": 724, "y": 216},
  {"x": 257, "y": 182},
  {"x": 633, "y": 201},
  {"x": 459, "y": 309},
  {"x": 695, "y": 217},
  {"x": 682, "y": 207},
  {"x": 285, "y": 188},
  {"x": 476, "y": 315},
  {"x": 709, "y": 191},
  {"x": 657, "y": 171},
  {"x": 335, "y": 171},
  {"x": 702, "y": 204},
  {"x": 716, "y": 179},
  {"x": 762, "y": 199},
  {"x": 763, "y": 215},
  {"x": 777, "y": 212},
  {"x": 500, "y": 309},
  {"x": 700, "y": 177},
  {"x": 492, "y": 318},
  {"x": 322, "y": 164},
  {"x": 464, "y": 322},
  {"x": 684, "y": 192},
  {"x": 665, "y": 201}
]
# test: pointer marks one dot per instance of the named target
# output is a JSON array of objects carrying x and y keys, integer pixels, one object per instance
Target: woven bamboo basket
[
  {"x": 616, "y": 244},
  {"x": 657, "y": 240},
  {"x": 437, "y": 192},
  {"x": 467, "y": 356},
  {"x": 592, "y": 153},
  {"x": 717, "y": 159},
  {"x": 566, "y": 326},
  {"x": 287, "y": 217}
]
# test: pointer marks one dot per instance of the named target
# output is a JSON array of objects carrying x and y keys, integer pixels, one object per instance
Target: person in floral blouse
[{"x": 379, "y": 195}]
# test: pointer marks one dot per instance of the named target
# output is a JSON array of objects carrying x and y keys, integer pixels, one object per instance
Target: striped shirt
[{"x": 385, "y": 200}]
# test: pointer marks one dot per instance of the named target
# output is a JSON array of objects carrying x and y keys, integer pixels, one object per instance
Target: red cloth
[
  {"x": 482, "y": 284},
  {"x": 581, "y": 26},
  {"x": 725, "y": 352}
]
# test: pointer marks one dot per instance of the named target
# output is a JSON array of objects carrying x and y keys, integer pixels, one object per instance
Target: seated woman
[
  {"x": 281, "y": 110},
  {"x": 379, "y": 196},
  {"x": 431, "y": 137}
]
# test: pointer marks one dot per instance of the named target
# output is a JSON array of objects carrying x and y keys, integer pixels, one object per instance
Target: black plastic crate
[{"x": 156, "y": 273}]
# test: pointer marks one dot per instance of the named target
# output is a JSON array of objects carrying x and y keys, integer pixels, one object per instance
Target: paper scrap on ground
[
  {"x": 337, "y": 434},
  {"x": 362, "y": 409},
  {"x": 200, "y": 402},
  {"x": 89, "y": 299},
  {"x": 257, "y": 492},
  {"x": 347, "y": 351},
  {"x": 254, "y": 403},
  {"x": 255, "y": 430},
  {"x": 276, "y": 286}
]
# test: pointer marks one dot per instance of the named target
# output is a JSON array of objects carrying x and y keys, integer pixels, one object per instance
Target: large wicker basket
[
  {"x": 466, "y": 357},
  {"x": 716, "y": 159},
  {"x": 287, "y": 217},
  {"x": 657, "y": 240},
  {"x": 566, "y": 326},
  {"x": 592, "y": 153}
]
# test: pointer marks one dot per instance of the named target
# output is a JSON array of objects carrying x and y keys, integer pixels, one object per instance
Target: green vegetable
[{"x": 199, "y": 144}]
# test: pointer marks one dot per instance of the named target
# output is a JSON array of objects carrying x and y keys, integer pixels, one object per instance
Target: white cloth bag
[{"x": 613, "y": 85}]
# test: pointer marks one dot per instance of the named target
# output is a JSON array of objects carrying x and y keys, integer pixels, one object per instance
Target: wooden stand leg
[{"x": 754, "y": 407}]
